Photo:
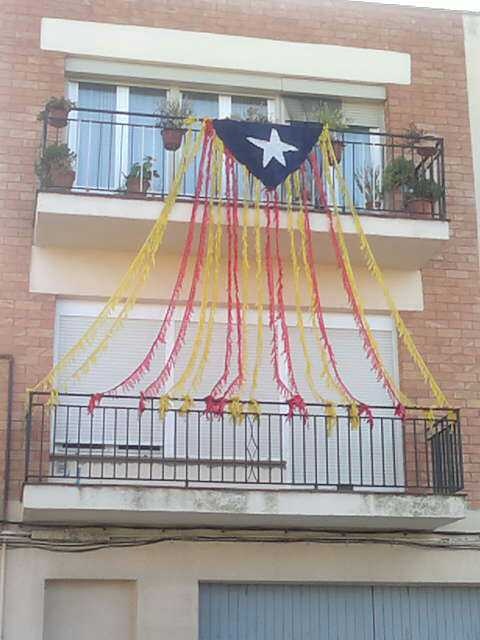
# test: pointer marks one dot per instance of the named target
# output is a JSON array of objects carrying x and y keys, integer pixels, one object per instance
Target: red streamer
[
  {"x": 359, "y": 320},
  {"x": 229, "y": 337},
  {"x": 318, "y": 305},
  {"x": 154, "y": 388},
  {"x": 135, "y": 376},
  {"x": 284, "y": 390},
  {"x": 238, "y": 307}
]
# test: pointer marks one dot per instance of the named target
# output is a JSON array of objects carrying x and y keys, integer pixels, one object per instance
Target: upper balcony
[
  {"x": 101, "y": 211},
  {"x": 261, "y": 469}
]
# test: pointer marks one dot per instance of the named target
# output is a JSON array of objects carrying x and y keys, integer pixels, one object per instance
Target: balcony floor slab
[{"x": 231, "y": 507}]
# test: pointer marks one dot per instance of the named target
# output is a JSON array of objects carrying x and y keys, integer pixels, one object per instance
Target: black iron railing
[
  {"x": 115, "y": 444},
  {"x": 108, "y": 143}
]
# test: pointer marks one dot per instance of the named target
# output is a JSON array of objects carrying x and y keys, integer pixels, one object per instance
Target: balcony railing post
[{"x": 28, "y": 434}]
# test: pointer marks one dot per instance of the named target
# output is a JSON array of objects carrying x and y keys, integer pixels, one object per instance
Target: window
[{"x": 172, "y": 437}]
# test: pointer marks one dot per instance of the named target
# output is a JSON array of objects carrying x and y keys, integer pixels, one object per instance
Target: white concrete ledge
[
  {"x": 161, "y": 506},
  {"x": 116, "y": 223},
  {"x": 218, "y": 51}
]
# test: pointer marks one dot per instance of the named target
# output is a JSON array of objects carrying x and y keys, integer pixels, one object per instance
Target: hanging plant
[
  {"x": 173, "y": 114},
  {"x": 420, "y": 142},
  {"x": 56, "y": 112},
  {"x": 336, "y": 121}
]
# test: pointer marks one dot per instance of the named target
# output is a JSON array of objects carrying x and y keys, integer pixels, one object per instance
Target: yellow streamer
[
  {"x": 131, "y": 282},
  {"x": 332, "y": 383},
  {"x": 235, "y": 409},
  {"x": 352, "y": 280},
  {"x": 298, "y": 304},
  {"x": 217, "y": 264},
  {"x": 375, "y": 270},
  {"x": 177, "y": 389},
  {"x": 354, "y": 416},
  {"x": 164, "y": 405},
  {"x": 186, "y": 405}
]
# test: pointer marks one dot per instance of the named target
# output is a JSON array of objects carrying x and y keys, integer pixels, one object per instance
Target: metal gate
[{"x": 331, "y": 612}]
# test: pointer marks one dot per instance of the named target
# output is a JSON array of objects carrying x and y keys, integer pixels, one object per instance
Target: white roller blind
[
  {"x": 127, "y": 348},
  {"x": 364, "y": 113}
]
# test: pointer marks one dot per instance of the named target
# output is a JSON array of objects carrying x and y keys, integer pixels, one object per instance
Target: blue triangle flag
[{"x": 270, "y": 151}]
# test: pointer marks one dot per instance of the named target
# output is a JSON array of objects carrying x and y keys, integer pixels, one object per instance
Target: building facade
[{"x": 132, "y": 529}]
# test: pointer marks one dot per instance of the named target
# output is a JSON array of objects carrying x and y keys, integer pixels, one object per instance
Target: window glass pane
[
  {"x": 247, "y": 108},
  {"x": 95, "y": 136},
  {"x": 145, "y": 138},
  {"x": 203, "y": 105}
]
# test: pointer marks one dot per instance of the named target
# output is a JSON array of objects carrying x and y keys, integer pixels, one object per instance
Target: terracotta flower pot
[
  {"x": 420, "y": 207},
  {"x": 172, "y": 138},
  {"x": 58, "y": 118},
  {"x": 426, "y": 152},
  {"x": 337, "y": 152},
  {"x": 136, "y": 185},
  {"x": 61, "y": 178}
]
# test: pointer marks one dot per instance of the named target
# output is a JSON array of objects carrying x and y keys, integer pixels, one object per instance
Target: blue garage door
[{"x": 328, "y": 612}]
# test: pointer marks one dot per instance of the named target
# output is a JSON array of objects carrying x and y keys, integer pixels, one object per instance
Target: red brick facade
[{"x": 447, "y": 331}]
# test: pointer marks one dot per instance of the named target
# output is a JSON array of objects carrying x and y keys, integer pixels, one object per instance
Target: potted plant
[
  {"x": 56, "y": 112},
  {"x": 172, "y": 116},
  {"x": 55, "y": 167},
  {"x": 369, "y": 182},
  {"x": 420, "y": 142},
  {"x": 336, "y": 121},
  {"x": 398, "y": 177},
  {"x": 424, "y": 192},
  {"x": 140, "y": 176}
]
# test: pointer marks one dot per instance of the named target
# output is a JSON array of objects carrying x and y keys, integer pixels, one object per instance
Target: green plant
[
  {"x": 369, "y": 182},
  {"x": 331, "y": 116},
  {"x": 425, "y": 189},
  {"x": 57, "y": 157},
  {"x": 173, "y": 113},
  {"x": 252, "y": 114},
  {"x": 61, "y": 103},
  {"x": 398, "y": 173},
  {"x": 142, "y": 170}
]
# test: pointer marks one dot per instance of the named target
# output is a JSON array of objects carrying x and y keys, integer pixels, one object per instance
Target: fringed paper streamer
[
  {"x": 354, "y": 415},
  {"x": 298, "y": 302},
  {"x": 177, "y": 389},
  {"x": 235, "y": 409},
  {"x": 239, "y": 379},
  {"x": 217, "y": 265},
  {"x": 137, "y": 375},
  {"x": 215, "y": 407},
  {"x": 159, "y": 382},
  {"x": 280, "y": 300},
  {"x": 245, "y": 265},
  {"x": 253, "y": 407},
  {"x": 351, "y": 289},
  {"x": 326, "y": 350},
  {"x": 186, "y": 405},
  {"x": 330, "y": 417},
  {"x": 218, "y": 386},
  {"x": 259, "y": 290},
  {"x": 297, "y": 404},
  {"x": 283, "y": 389},
  {"x": 164, "y": 406},
  {"x": 53, "y": 398},
  {"x": 375, "y": 270},
  {"x": 136, "y": 275}
]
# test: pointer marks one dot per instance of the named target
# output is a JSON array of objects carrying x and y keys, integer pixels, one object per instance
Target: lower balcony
[{"x": 117, "y": 466}]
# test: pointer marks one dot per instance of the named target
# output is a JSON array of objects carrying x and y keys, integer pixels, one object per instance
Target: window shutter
[
  {"x": 127, "y": 348},
  {"x": 364, "y": 113}
]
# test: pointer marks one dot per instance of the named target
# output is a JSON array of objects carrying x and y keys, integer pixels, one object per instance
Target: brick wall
[{"x": 447, "y": 332}]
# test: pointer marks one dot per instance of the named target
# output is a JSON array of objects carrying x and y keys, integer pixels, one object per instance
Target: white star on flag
[{"x": 273, "y": 148}]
